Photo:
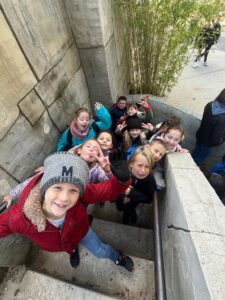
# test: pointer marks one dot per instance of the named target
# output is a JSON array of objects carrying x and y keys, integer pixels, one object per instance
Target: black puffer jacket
[{"x": 212, "y": 128}]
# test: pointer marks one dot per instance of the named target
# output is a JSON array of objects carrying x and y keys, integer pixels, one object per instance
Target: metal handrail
[{"x": 160, "y": 283}]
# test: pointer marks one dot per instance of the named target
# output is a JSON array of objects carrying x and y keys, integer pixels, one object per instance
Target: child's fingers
[
  {"x": 97, "y": 105},
  {"x": 101, "y": 153}
]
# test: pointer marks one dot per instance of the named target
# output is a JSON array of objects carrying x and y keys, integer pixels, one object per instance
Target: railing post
[{"x": 160, "y": 284}]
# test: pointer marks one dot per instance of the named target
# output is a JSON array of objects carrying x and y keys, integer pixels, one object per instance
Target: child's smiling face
[
  {"x": 134, "y": 133},
  {"x": 59, "y": 198},
  {"x": 83, "y": 120},
  {"x": 105, "y": 140},
  {"x": 171, "y": 138}
]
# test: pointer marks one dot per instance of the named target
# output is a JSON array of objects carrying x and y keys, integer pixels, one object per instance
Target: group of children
[{"x": 124, "y": 164}]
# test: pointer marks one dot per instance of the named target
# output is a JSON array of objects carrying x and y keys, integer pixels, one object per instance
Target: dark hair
[
  {"x": 173, "y": 121},
  {"x": 121, "y": 98},
  {"x": 221, "y": 97},
  {"x": 131, "y": 105},
  {"x": 109, "y": 132}
]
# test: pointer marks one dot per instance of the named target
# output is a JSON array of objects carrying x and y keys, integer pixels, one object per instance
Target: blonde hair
[
  {"x": 127, "y": 140},
  {"x": 142, "y": 150}
]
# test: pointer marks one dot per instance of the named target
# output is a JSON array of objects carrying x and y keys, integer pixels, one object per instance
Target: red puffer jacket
[{"x": 76, "y": 222}]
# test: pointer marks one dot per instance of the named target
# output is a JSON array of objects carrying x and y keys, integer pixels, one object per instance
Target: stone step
[
  {"x": 36, "y": 286},
  {"x": 131, "y": 240},
  {"x": 109, "y": 212},
  {"x": 100, "y": 275}
]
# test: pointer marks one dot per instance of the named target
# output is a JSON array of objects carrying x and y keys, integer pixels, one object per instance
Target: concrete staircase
[{"x": 50, "y": 275}]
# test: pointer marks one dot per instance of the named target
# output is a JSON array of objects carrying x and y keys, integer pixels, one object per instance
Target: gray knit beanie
[{"x": 64, "y": 167}]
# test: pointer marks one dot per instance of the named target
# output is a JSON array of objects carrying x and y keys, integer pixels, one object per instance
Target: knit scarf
[
  {"x": 76, "y": 132},
  {"x": 217, "y": 108}
]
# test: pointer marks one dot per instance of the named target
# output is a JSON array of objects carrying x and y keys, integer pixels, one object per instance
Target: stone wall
[
  {"x": 42, "y": 83},
  {"x": 193, "y": 233},
  {"x": 43, "y": 79},
  {"x": 100, "y": 43}
]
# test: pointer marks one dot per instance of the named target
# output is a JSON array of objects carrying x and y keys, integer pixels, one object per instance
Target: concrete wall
[
  {"x": 193, "y": 233},
  {"x": 99, "y": 39}
]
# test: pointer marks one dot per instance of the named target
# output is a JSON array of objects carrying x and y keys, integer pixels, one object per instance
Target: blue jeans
[
  {"x": 92, "y": 243},
  {"x": 200, "y": 153}
]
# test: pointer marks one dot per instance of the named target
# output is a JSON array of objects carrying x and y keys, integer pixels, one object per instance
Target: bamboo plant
[{"x": 158, "y": 34}]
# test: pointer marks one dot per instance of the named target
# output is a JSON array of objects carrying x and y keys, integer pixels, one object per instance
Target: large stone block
[
  {"x": 117, "y": 71},
  {"x": 16, "y": 77},
  {"x": 25, "y": 147},
  {"x": 52, "y": 85},
  {"x": 42, "y": 29},
  {"x": 95, "y": 68},
  {"x": 32, "y": 107},
  {"x": 6, "y": 183},
  {"x": 91, "y": 22},
  {"x": 71, "y": 98},
  {"x": 14, "y": 250}
]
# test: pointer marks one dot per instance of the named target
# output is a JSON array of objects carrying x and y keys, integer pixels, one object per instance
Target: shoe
[
  {"x": 75, "y": 258},
  {"x": 195, "y": 64},
  {"x": 205, "y": 63},
  {"x": 126, "y": 262},
  {"x": 133, "y": 217},
  {"x": 90, "y": 219}
]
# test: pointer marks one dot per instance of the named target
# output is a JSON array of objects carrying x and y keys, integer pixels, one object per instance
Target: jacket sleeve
[
  {"x": 62, "y": 142},
  {"x": 15, "y": 192},
  {"x": 4, "y": 229},
  {"x": 104, "y": 118},
  {"x": 104, "y": 191},
  {"x": 218, "y": 167},
  {"x": 102, "y": 175},
  {"x": 218, "y": 134},
  {"x": 137, "y": 196}
]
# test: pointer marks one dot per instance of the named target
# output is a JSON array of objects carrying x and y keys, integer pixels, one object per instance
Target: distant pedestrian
[
  {"x": 216, "y": 29},
  {"x": 211, "y": 132},
  {"x": 204, "y": 42}
]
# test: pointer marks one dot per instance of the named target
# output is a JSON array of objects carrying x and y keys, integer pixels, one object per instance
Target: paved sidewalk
[{"x": 198, "y": 86}]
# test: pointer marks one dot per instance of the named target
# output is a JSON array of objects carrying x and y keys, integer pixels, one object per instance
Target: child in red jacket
[{"x": 57, "y": 219}]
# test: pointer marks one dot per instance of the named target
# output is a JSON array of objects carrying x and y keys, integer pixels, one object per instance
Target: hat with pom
[{"x": 64, "y": 167}]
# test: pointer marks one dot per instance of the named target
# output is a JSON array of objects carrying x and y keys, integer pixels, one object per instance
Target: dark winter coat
[
  {"x": 116, "y": 113},
  {"x": 212, "y": 128}
]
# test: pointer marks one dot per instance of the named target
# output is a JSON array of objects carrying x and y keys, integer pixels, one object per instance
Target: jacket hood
[{"x": 32, "y": 208}]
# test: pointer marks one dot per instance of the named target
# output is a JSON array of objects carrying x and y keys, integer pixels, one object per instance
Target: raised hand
[
  {"x": 120, "y": 127},
  {"x": 6, "y": 201},
  {"x": 119, "y": 165},
  {"x": 97, "y": 105},
  {"x": 103, "y": 161},
  {"x": 148, "y": 126}
]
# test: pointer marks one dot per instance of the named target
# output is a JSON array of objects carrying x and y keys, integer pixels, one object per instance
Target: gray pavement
[{"x": 198, "y": 86}]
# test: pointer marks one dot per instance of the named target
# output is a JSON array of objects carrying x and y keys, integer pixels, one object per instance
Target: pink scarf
[{"x": 76, "y": 132}]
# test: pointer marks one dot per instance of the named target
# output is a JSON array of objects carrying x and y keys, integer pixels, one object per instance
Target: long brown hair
[{"x": 127, "y": 140}]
